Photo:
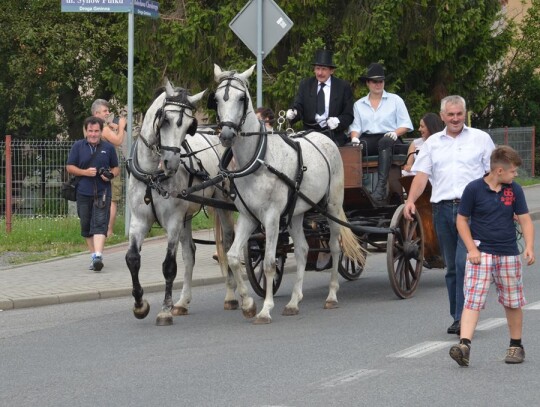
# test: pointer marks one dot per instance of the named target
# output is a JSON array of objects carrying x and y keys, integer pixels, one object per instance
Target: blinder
[
  {"x": 211, "y": 101},
  {"x": 193, "y": 127}
]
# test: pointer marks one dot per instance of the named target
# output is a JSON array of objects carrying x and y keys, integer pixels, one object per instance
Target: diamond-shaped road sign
[{"x": 275, "y": 25}]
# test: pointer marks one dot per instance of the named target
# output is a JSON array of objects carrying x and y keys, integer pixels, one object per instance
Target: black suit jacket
[{"x": 341, "y": 106}]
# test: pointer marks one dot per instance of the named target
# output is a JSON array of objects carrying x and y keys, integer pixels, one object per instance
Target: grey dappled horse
[
  {"x": 158, "y": 165},
  {"x": 262, "y": 196}
]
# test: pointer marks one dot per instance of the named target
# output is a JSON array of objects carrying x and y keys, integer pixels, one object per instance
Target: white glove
[
  {"x": 392, "y": 135},
  {"x": 355, "y": 141},
  {"x": 332, "y": 122},
  {"x": 291, "y": 114}
]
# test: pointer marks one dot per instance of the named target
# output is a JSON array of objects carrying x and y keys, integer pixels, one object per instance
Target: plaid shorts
[{"x": 506, "y": 274}]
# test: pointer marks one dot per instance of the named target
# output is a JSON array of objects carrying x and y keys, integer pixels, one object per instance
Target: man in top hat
[
  {"x": 323, "y": 102},
  {"x": 380, "y": 119}
]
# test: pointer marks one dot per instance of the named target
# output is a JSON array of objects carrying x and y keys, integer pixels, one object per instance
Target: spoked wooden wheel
[
  {"x": 405, "y": 253},
  {"x": 349, "y": 269},
  {"x": 254, "y": 256}
]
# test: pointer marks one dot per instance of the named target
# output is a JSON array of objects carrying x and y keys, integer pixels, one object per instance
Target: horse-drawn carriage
[{"x": 294, "y": 193}]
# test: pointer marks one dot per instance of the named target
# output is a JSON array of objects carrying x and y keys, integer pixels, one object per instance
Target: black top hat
[
  {"x": 375, "y": 71},
  {"x": 323, "y": 57}
]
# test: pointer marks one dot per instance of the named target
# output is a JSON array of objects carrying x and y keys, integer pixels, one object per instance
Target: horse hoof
[
  {"x": 142, "y": 311},
  {"x": 250, "y": 312},
  {"x": 179, "y": 311},
  {"x": 230, "y": 305},
  {"x": 331, "y": 305},
  {"x": 164, "y": 318},
  {"x": 290, "y": 311},
  {"x": 262, "y": 320}
]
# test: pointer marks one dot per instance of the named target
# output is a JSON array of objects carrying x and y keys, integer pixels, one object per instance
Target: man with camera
[
  {"x": 114, "y": 132},
  {"x": 95, "y": 162}
]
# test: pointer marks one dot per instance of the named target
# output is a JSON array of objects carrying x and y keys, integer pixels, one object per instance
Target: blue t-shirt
[
  {"x": 80, "y": 156},
  {"x": 491, "y": 215}
]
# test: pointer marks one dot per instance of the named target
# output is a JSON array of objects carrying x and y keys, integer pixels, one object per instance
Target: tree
[
  {"x": 53, "y": 64},
  {"x": 58, "y": 62}
]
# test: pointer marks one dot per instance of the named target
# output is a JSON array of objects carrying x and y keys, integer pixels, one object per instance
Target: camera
[
  {"x": 106, "y": 172},
  {"x": 116, "y": 120}
]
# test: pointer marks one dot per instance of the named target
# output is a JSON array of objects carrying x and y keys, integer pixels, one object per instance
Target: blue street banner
[{"x": 146, "y": 8}]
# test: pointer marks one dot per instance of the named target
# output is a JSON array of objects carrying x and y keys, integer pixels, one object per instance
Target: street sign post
[
  {"x": 261, "y": 24},
  {"x": 147, "y": 8}
]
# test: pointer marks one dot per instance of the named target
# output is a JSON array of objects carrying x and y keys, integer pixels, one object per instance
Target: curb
[{"x": 39, "y": 301}]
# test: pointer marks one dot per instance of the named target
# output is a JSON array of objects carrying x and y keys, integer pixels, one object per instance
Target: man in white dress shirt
[{"x": 450, "y": 160}]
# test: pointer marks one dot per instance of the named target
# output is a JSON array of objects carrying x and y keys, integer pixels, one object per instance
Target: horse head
[
  {"x": 232, "y": 102},
  {"x": 173, "y": 121}
]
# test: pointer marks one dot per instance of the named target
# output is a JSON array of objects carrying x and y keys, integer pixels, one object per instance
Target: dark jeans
[
  {"x": 93, "y": 216},
  {"x": 454, "y": 252}
]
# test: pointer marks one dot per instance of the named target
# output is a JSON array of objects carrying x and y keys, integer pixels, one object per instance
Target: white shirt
[
  {"x": 322, "y": 118},
  {"x": 391, "y": 114},
  {"x": 453, "y": 162}
]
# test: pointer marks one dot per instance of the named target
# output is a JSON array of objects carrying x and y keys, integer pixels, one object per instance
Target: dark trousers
[
  {"x": 374, "y": 143},
  {"x": 454, "y": 252}
]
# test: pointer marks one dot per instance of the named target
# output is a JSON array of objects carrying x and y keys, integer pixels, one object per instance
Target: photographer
[
  {"x": 114, "y": 132},
  {"x": 96, "y": 163}
]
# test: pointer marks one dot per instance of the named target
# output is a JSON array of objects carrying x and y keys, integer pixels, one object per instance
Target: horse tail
[
  {"x": 220, "y": 244},
  {"x": 350, "y": 244}
]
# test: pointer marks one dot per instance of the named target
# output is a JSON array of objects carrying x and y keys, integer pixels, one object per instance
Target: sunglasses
[{"x": 376, "y": 80}]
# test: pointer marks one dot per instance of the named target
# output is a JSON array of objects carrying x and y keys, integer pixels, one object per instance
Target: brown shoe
[
  {"x": 514, "y": 354},
  {"x": 460, "y": 353}
]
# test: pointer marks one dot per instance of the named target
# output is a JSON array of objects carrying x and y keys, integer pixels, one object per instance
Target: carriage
[{"x": 305, "y": 194}]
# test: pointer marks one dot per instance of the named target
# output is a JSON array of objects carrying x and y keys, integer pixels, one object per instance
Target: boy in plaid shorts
[{"x": 490, "y": 204}]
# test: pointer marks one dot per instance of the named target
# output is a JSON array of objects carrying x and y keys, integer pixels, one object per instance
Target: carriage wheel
[
  {"x": 405, "y": 254},
  {"x": 349, "y": 269},
  {"x": 254, "y": 256}
]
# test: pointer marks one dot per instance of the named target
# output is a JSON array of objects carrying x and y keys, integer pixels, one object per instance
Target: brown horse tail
[{"x": 350, "y": 245}]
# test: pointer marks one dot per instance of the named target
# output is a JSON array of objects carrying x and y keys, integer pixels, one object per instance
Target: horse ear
[
  {"x": 217, "y": 72},
  {"x": 193, "y": 127},
  {"x": 169, "y": 87},
  {"x": 247, "y": 73},
  {"x": 196, "y": 98}
]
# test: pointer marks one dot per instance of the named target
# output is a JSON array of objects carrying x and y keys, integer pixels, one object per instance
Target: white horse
[
  {"x": 155, "y": 173},
  {"x": 262, "y": 196}
]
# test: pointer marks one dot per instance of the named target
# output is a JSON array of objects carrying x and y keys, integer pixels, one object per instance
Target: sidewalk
[{"x": 67, "y": 279}]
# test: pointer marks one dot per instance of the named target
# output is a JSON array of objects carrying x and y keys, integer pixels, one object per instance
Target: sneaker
[
  {"x": 97, "y": 263},
  {"x": 91, "y": 266},
  {"x": 460, "y": 353},
  {"x": 514, "y": 354}
]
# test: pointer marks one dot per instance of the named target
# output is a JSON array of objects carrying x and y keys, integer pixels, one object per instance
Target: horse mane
[{"x": 181, "y": 95}]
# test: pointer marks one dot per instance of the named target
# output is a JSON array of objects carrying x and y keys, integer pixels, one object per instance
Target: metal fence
[
  {"x": 521, "y": 139},
  {"x": 37, "y": 173},
  {"x": 38, "y": 170}
]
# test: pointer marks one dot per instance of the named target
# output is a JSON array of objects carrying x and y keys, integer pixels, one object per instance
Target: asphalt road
[{"x": 375, "y": 350}]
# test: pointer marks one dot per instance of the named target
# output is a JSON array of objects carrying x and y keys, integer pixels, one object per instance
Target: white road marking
[
  {"x": 534, "y": 305},
  {"x": 348, "y": 377},
  {"x": 490, "y": 323},
  {"x": 421, "y": 349}
]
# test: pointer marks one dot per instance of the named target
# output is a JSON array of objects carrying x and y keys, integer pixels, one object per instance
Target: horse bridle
[
  {"x": 161, "y": 116},
  {"x": 212, "y": 104}
]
